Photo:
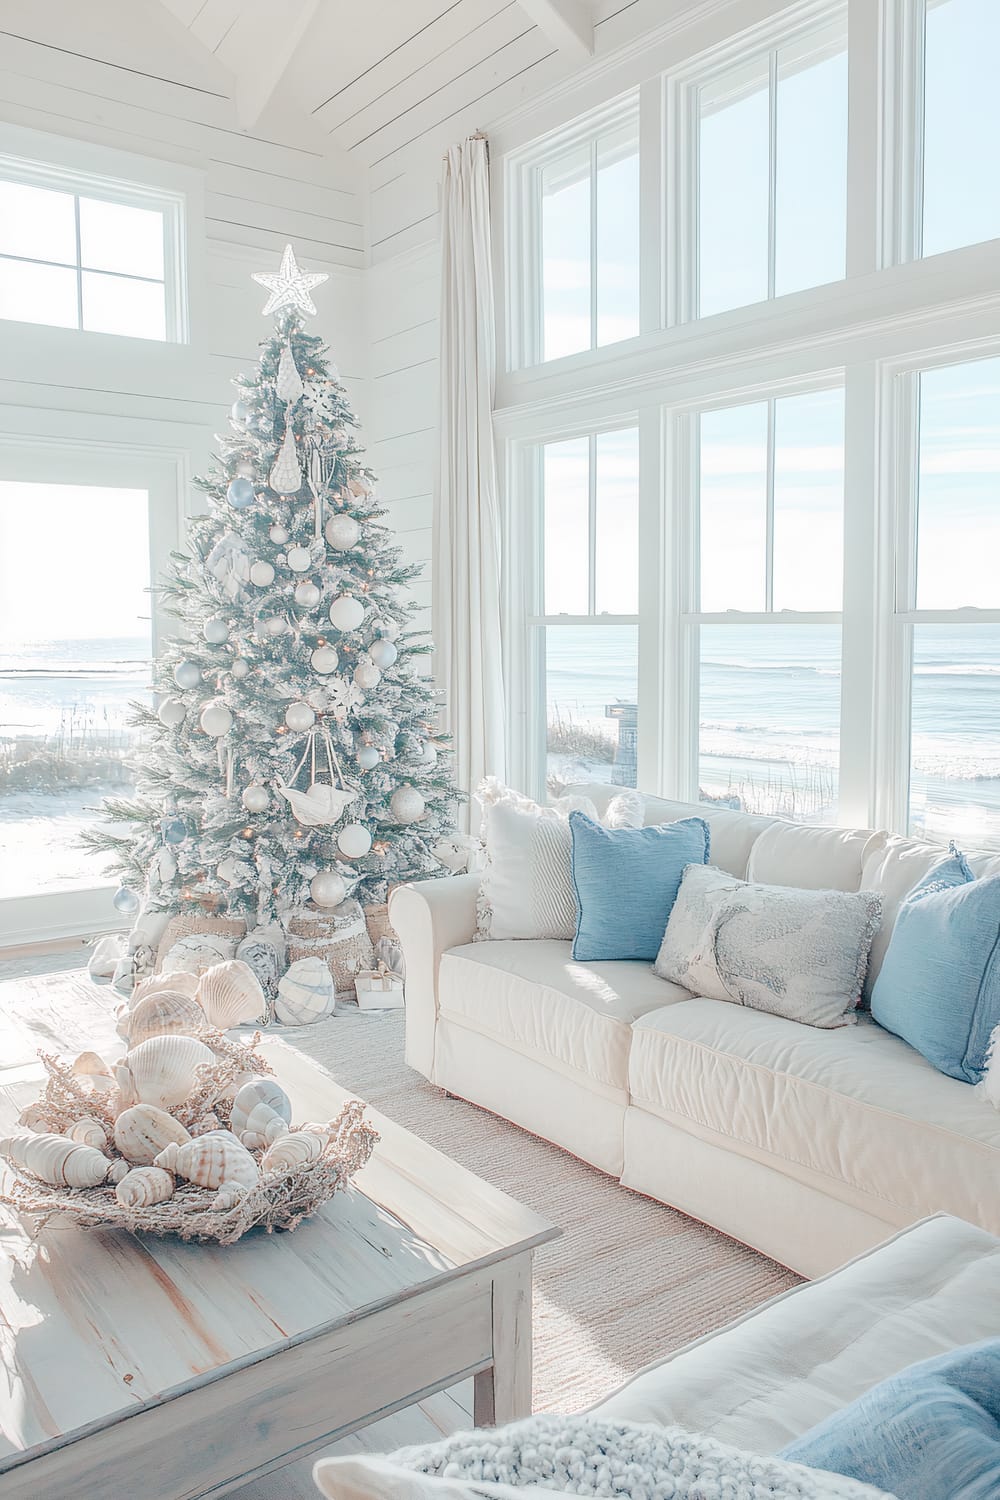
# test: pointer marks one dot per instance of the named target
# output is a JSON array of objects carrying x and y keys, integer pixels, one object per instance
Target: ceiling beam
[
  {"x": 258, "y": 48},
  {"x": 567, "y": 23}
]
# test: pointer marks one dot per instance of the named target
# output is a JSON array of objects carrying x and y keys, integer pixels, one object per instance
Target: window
[
  {"x": 772, "y": 172},
  {"x": 961, "y": 123},
  {"x": 584, "y": 630},
  {"x": 579, "y": 226},
  {"x": 75, "y": 647},
  {"x": 950, "y": 578},
  {"x": 769, "y": 528},
  {"x": 104, "y": 259}
]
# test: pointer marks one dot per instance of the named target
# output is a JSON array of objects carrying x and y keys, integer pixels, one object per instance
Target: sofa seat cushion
[
  {"x": 855, "y": 1112},
  {"x": 774, "y": 1373},
  {"x": 535, "y": 998}
]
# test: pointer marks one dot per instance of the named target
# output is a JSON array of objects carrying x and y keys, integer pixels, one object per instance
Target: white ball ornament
[
  {"x": 354, "y": 841},
  {"x": 256, "y": 798},
  {"x": 171, "y": 712},
  {"x": 215, "y": 630},
  {"x": 187, "y": 674},
  {"x": 299, "y": 559},
  {"x": 240, "y": 667},
  {"x": 299, "y": 716},
  {"x": 383, "y": 653},
  {"x": 428, "y": 754},
  {"x": 407, "y": 804},
  {"x": 346, "y": 612},
  {"x": 367, "y": 674},
  {"x": 368, "y": 757},
  {"x": 274, "y": 625},
  {"x": 327, "y": 888},
  {"x": 216, "y": 719},
  {"x": 342, "y": 532},
  {"x": 324, "y": 660},
  {"x": 307, "y": 594},
  {"x": 278, "y": 534},
  {"x": 261, "y": 574}
]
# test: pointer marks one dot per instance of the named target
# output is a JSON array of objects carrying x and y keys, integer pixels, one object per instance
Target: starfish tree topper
[{"x": 288, "y": 286}]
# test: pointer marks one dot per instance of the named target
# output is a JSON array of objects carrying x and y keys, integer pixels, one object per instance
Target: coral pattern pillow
[{"x": 798, "y": 954}]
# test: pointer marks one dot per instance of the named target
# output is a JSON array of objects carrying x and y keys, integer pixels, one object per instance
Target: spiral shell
[
  {"x": 144, "y": 1186},
  {"x": 56, "y": 1160},
  {"x": 292, "y": 1151},
  {"x": 230, "y": 994},
  {"x": 88, "y": 1132},
  {"x": 211, "y": 1160},
  {"x": 261, "y": 1112},
  {"x": 176, "y": 982},
  {"x": 142, "y": 1131},
  {"x": 162, "y": 1070},
  {"x": 165, "y": 1013}
]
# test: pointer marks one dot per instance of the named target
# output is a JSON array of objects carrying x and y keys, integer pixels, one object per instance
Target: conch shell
[
  {"x": 229, "y": 994},
  {"x": 142, "y": 1131},
  {"x": 296, "y": 1149},
  {"x": 320, "y": 805},
  {"x": 165, "y": 1013},
  {"x": 144, "y": 1186},
  {"x": 88, "y": 1132},
  {"x": 211, "y": 1160},
  {"x": 162, "y": 1070},
  {"x": 56, "y": 1160},
  {"x": 177, "y": 982},
  {"x": 261, "y": 1113}
]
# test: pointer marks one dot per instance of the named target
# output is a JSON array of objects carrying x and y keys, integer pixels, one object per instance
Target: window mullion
[
  {"x": 79, "y": 260},
  {"x": 769, "y": 514},
  {"x": 592, "y": 524},
  {"x": 772, "y": 168},
  {"x": 593, "y": 243}
]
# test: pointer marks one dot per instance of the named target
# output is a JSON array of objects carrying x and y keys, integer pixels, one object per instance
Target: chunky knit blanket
[{"x": 589, "y": 1456}]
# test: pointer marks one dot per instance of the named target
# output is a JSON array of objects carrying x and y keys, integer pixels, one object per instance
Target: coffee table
[{"x": 147, "y": 1367}]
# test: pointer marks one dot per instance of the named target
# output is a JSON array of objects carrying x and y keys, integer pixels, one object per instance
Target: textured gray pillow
[
  {"x": 798, "y": 954},
  {"x": 592, "y": 1456}
]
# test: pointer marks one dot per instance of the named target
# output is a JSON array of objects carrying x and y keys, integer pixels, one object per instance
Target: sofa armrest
[{"x": 430, "y": 917}]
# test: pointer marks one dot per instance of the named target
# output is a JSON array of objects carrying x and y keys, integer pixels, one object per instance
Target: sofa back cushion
[
  {"x": 812, "y": 858},
  {"x": 733, "y": 833}
]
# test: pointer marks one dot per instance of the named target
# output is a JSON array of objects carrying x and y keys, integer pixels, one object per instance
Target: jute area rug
[{"x": 627, "y": 1281}]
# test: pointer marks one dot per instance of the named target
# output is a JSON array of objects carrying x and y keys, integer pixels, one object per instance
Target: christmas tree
[{"x": 293, "y": 754}]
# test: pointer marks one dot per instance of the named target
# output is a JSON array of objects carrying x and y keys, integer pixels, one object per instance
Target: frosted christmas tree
[{"x": 293, "y": 757}]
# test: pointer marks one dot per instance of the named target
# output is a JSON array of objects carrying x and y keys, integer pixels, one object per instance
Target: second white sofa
[{"x": 810, "y": 1145}]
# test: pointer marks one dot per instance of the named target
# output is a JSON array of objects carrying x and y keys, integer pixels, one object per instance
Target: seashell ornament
[
  {"x": 296, "y": 1149},
  {"x": 164, "y": 1013},
  {"x": 162, "y": 1070},
  {"x": 211, "y": 1160},
  {"x": 261, "y": 1113},
  {"x": 305, "y": 993},
  {"x": 177, "y": 981},
  {"x": 320, "y": 806},
  {"x": 56, "y": 1160},
  {"x": 230, "y": 995},
  {"x": 142, "y": 1132},
  {"x": 144, "y": 1186},
  {"x": 88, "y": 1132}
]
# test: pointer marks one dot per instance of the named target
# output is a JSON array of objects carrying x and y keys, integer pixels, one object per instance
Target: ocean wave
[{"x": 757, "y": 667}]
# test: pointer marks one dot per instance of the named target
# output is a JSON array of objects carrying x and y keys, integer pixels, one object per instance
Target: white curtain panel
[{"x": 466, "y": 562}]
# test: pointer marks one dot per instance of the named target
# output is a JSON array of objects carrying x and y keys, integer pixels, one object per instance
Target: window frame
[{"x": 81, "y": 183}]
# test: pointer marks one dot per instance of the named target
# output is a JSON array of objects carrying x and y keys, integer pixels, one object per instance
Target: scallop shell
[
  {"x": 95, "y": 1071},
  {"x": 210, "y": 1160},
  {"x": 305, "y": 993},
  {"x": 177, "y": 981},
  {"x": 291, "y": 1151},
  {"x": 162, "y": 1070},
  {"x": 56, "y": 1160},
  {"x": 144, "y": 1186},
  {"x": 88, "y": 1132},
  {"x": 142, "y": 1132},
  {"x": 165, "y": 1013},
  {"x": 230, "y": 994},
  {"x": 256, "y": 1104}
]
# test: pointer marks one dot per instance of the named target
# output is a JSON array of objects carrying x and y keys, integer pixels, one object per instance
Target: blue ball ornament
[
  {"x": 240, "y": 412},
  {"x": 240, "y": 493},
  {"x": 125, "y": 901},
  {"x": 174, "y": 830}
]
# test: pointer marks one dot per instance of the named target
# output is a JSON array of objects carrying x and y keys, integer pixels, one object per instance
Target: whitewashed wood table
[{"x": 147, "y": 1369}]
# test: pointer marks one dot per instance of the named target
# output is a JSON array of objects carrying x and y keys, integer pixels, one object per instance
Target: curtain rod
[{"x": 477, "y": 135}]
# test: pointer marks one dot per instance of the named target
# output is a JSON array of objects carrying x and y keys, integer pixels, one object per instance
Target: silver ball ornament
[
  {"x": 261, "y": 574},
  {"x": 215, "y": 630},
  {"x": 324, "y": 660},
  {"x": 187, "y": 674},
  {"x": 125, "y": 901},
  {"x": 354, "y": 841},
  {"x": 300, "y": 717},
  {"x": 407, "y": 804},
  {"x": 278, "y": 534},
  {"x": 327, "y": 888},
  {"x": 274, "y": 625},
  {"x": 240, "y": 667},
  {"x": 216, "y": 719},
  {"x": 383, "y": 653},
  {"x": 256, "y": 798},
  {"x": 299, "y": 559},
  {"x": 342, "y": 532},
  {"x": 171, "y": 712},
  {"x": 367, "y": 674},
  {"x": 307, "y": 594},
  {"x": 368, "y": 757},
  {"x": 346, "y": 612}
]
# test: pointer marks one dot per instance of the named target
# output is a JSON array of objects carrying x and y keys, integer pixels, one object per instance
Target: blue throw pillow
[
  {"x": 626, "y": 882},
  {"x": 939, "y": 985},
  {"x": 932, "y": 1432}
]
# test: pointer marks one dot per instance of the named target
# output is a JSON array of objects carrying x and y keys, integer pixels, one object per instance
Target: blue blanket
[{"x": 932, "y": 1432}]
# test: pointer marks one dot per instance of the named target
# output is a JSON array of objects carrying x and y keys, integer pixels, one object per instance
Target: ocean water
[{"x": 48, "y": 687}]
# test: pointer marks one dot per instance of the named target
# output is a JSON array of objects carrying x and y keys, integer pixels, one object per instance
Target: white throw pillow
[
  {"x": 581, "y": 1455},
  {"x": 527, "y": 881},
  {"x": 798, "y": 954}
]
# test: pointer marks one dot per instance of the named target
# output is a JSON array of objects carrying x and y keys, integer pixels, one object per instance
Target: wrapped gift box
[{"x": 379, "y": 989}]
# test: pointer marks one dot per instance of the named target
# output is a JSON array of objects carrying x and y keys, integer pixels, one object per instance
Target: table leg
[{"x": 503, "y": 1391}]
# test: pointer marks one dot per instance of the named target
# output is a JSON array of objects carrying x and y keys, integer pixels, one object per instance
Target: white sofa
[{"x": 810, "y": 1145}]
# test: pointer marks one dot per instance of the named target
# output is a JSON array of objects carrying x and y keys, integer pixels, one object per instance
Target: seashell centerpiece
[{"x": 186, "y": 1135}]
